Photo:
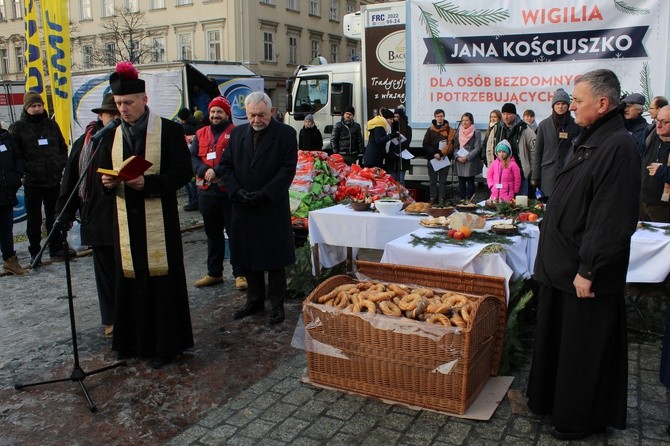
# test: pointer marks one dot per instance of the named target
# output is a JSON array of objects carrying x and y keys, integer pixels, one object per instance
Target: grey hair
[
  {"x": 639, "y": 107},
  {"x": 256, "y": 97},
  {"x": 603, "y": 82}
]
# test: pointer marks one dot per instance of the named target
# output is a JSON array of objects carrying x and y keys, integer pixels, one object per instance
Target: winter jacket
[
  {"x": 593, "y": 211},
  {"x": 378, "y": 137},
  {"x": 522, "y": 140},
  {"x": 42, "y": 147},
  {"x": 638, "y": 129},
  {"x": 434, "y": 135},
  {"x": 474, "y": 165},
  {"x": 550, "y": 151},
  {"x": 509, "y": 177},
  {"x": 394, "y": 161},
  {"x": 652, "y": 187},
  {"x": 210, "y": 140},
  {"x": 11, "y": 169},
  {"x": 347, "y": 138},
  {"x": 310, "y": 139}
]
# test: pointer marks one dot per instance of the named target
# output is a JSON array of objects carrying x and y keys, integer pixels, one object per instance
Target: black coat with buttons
[
  {"x": 593, "y": 211},
  {"x": 11, "y": 169}
]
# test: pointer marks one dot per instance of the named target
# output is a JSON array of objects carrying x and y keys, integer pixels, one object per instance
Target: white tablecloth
[
  {"x": 338, "y": 227},
  {"x": 649, "y": 256}
]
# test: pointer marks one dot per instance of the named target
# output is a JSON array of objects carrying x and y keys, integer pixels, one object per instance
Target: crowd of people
[{"x": 592, "y": 159}]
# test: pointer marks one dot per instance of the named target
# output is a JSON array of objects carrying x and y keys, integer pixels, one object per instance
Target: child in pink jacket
[{"x": 504, "y": 176}]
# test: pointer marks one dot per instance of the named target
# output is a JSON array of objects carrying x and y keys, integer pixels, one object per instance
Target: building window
[
  {"x": 107, "y": 8},
  {"x": 3, "y": 15},
  {"x": 185, "y": 46},
  {"x": 316, "y": 48},
  {"x": 214, "y": 45},
  {"x": 268, "y": 2},
  {"x": 4, "y": 61},
  {"x": 110, "y": 54},
  {"x": 351, "y": 7},
  {"x": 315, "y": 7},
  {"x": 157, "y": 4},
  {"x": 87, "y": 56},
  {"x": 85, "y": 10},
  {"x": 158, "y": 49},
  {"x": 20, "y": 58},
  {"x": 268, "y": 46},
  {"x": 352, "y": 54},
  {"x": 133, "y": 5},
  {"x": 293, "y": 50},
  {"x": 334, "y": 10},
  {"x": 334, "y": 49},
  {"x": 184, "y": 2},
  {"x": 18, "y": 8},
  {"x": 293, "y": 5},
  {"x": 135, "y": 56}
]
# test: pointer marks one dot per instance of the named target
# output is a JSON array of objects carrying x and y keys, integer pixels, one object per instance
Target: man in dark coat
[
  {"x": 554, "y": 139},
  {"x": 11, "y": 171},
  {"x": 152, "y": 317},
  {"x": 347, "y": 137},
  {"x": 258, "y": 169},
  {"x": 579, "y": 373},
  {"x": 44, "y": 151},
  {"x": 654, "y": 193},
  {"x": 634, "y": 122},
  {"x": 95, "y": 206}
]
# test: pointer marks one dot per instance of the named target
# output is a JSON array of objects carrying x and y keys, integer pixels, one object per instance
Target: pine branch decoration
[
  {"x": 645, "y": 83},
  {"x": 433, "y": 30},
  {"x": 627, "y": 9},
  {"x": 453, "y": 14}
]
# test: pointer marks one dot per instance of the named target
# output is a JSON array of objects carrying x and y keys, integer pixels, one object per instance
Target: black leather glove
[
  {"x": 240, "y": 196},
  {"x": 394, "y": 135},
  {"x": 257, "y": 197}
]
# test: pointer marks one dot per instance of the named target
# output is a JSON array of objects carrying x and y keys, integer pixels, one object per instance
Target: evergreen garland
[
  {"x": 441, "y": 237},
  {"x": 645, "y": 83},
  {"x": 453, "y": 14},
  {"x": 627, "y": 9}
]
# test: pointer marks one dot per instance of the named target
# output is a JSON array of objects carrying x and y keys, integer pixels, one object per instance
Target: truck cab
[{"x": 324, "y": 91}]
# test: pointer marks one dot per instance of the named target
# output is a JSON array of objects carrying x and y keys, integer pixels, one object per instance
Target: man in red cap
[
  {"x": 152, "y": 317},
  {"x": 207, "y": 147}
]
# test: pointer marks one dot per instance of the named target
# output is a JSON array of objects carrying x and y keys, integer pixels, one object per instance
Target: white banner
[{"x": 475, "y": 56}]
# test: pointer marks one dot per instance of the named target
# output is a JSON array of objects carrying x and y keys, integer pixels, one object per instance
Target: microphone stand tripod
[{"x": 78, "y": 375}]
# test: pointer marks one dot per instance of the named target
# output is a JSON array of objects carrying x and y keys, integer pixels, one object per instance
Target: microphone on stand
[{"x": 106, "y": 129}]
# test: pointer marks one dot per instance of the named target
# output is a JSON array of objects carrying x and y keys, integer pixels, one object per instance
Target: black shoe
[
  {"x": 160, "y": 361},
  {"x": 191, "y": 207},
  {"x": 124, "y": 355},
  {"x": 60, "y": 254},
  {"x": 247, "y": 310},
  {"x": 277, "y": 315},
  {"x": 667, "y": 429},
  {"x": 563, "y": 434}
]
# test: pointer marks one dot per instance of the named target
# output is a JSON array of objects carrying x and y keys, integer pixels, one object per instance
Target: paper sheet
[{"x": 440, "y": 164}]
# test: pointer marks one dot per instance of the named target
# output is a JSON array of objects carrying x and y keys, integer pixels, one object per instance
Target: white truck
[
  {"x": 476, "y": 56},
  {"x": 11, "y": 101}
]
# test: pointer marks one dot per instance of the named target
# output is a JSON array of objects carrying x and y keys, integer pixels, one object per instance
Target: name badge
[
  {"x": 43, "y": 142},
  {"x": 3, "y": 148},
  {"x": 563, "y": 135},
  {"x": 211, "y": 155},
  {"x": 499, "y": 186}
]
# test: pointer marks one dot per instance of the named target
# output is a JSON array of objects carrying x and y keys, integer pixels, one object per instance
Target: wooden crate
[{"x": 405, "y": 360}]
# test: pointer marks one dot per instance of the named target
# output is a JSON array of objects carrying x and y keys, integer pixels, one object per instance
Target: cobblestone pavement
[{"x": 241, "y": 384}]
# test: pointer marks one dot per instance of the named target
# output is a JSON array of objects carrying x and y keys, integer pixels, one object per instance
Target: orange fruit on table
[
  {"x": 532, "y": 217},
  {"x": 467, "y": 232}
]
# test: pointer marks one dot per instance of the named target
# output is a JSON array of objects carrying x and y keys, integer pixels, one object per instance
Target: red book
[{"x": 131, "y": 168}]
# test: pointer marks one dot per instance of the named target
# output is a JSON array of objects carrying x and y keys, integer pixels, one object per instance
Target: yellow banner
[
  {"x": 33, "y": 54},
  {"x": 56, "y": 25}
]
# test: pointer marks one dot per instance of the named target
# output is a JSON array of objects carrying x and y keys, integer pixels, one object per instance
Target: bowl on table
[
  {"x": 440, "y": 211},
  {"x": 359, "y": 206},
  {"x": 389, "y": 207}
]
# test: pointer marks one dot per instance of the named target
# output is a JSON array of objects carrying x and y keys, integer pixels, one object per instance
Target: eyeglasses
[{"x": 662, "y": 122}]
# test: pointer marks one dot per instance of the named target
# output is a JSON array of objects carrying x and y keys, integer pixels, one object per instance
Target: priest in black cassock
[{"x": 152, "y": 318}]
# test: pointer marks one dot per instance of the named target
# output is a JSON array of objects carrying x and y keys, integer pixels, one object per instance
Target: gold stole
[{"x": 153, "y": 207}]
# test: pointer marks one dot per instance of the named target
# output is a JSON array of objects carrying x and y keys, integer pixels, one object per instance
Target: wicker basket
[{"x": 397, "y": 358}]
